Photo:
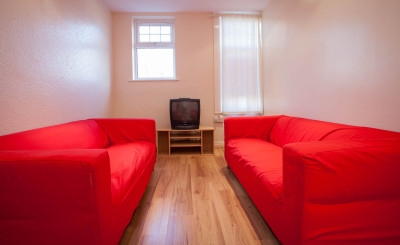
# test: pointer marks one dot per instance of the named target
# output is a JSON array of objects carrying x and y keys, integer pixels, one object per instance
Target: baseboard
[{"x": 219, "y": 143}]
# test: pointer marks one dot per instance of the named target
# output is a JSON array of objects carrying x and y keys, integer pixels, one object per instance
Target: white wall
[
  {"x": 55, "y": 62},
  {"x": 194, "y": 69},
  {"x": 336, "y": 60}
]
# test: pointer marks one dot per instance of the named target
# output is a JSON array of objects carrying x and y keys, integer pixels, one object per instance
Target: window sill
[
  {"x": 219, "y": 117},
  {"x": 239, "y": 114},
  {"x": 155, "y": 80}
]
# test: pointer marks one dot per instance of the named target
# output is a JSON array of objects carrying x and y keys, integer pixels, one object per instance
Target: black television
[{"x": 184, "y": 113}]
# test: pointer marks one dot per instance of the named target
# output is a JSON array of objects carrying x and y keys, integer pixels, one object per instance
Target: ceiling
[{"x": 185, "y": 5}]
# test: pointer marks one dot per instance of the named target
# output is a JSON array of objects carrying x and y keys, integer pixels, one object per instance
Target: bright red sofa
[
  {"x": 317, "y": 182},
  {"x": 75, "y": 183}
]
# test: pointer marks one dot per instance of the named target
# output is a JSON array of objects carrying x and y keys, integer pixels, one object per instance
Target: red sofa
[
  {"x": 75, "y": 183},
  {"x": 317, "y": 182}
]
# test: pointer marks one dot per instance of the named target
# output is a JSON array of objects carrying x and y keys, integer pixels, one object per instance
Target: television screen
[{"x": 185, "y": 113}]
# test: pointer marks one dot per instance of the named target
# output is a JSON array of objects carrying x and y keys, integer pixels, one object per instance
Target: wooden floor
[{"x": 196, "y": 200}]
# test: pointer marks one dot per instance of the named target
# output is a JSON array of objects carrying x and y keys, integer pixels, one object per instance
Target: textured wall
[
  {"x": 194, "y": 69},
  {"x": 54, "y": 62},
  {"x": 333, "y": 60}
]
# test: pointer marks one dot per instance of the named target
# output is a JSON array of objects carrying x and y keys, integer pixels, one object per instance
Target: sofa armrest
[
  {"x": 55, "y": 197},
  {"x": 343, "y": 171},
  {"x": 251, "y": 127},
  {"x": 128, "y": 130},
  {"x": 340, "y": 191}
]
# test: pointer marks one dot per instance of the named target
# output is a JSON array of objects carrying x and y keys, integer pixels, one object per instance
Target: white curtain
[{"x": 239, "y": 42}]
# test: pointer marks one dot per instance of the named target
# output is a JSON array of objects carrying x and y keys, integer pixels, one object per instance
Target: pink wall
[
  {"x": 333, "y": 60},
  {"x": 328, "y": 60},
  {"x": 194, "y": 69},
  {"x": 54, "y": 62}
]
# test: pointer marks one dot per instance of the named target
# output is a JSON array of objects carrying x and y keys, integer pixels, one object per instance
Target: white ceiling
[{"x": 185, "y": 5}]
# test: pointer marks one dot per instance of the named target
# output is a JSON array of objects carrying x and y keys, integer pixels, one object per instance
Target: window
[
  {"x": 238, "y": 60},
  {"x": 154, "y": 50}
]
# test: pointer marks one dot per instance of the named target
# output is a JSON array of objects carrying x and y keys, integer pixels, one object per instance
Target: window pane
[
  {"x": 144, "y": 29},
  {"x": 154, "y": 38},
  {"x": 155, "y": 63},
  {"x": 166, "y": 38},
  {"x": 144, "y": 38},
  {"x": 155, "y": 30},
  {"x": 165, "y": 30}
]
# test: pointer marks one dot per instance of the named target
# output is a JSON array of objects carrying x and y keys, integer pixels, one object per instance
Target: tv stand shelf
[{"x": 185, "y": 141}]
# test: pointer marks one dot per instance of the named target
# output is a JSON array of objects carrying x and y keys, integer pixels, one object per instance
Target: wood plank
[
  {"x": 162, "y": 142},
  {"x": 199, "y": 181},
  {"x": 185, "y": 144},
  {"x": 207, "y": 225},
  {"x": 182, "y": 199},
  {"x": 185, "y": 137}
]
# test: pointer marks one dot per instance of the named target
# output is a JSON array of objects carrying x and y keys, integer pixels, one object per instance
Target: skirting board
[{"x": 219, "y": 144}]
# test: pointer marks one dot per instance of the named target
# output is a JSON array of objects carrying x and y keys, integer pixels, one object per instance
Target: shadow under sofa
[
  {"x": 317, "y": 182},
  {"x": 74, "y": 183}
]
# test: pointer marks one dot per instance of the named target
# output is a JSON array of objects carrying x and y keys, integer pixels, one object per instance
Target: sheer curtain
[{"x": 239, "y": 60}]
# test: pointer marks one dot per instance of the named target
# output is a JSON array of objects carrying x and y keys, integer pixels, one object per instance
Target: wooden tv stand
[{"x": 185, "y": 141}]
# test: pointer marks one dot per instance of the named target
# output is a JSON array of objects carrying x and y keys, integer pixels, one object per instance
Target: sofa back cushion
[
  {"x": 292, "y": 130},
  {"x": 86, "y": 134},
  {"x": 361, "y": 133},
  {"x": 249, "y": 127},
  {"x": 120, "y": 130}
]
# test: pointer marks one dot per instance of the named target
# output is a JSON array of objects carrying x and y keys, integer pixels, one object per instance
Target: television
[{"x": 184, "y": 113}]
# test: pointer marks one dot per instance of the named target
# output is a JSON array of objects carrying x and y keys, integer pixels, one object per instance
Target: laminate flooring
[{"x": 196, "y": 200}]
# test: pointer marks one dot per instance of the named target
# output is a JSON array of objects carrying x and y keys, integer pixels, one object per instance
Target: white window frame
[{"x": 136, "y": 44}]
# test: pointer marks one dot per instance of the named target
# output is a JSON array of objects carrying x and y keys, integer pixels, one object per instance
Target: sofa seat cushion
[
  {"x": 259, "y": 162},
  {"x": 127, "y": 163},
  {"x": 293, "y": 130}
]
